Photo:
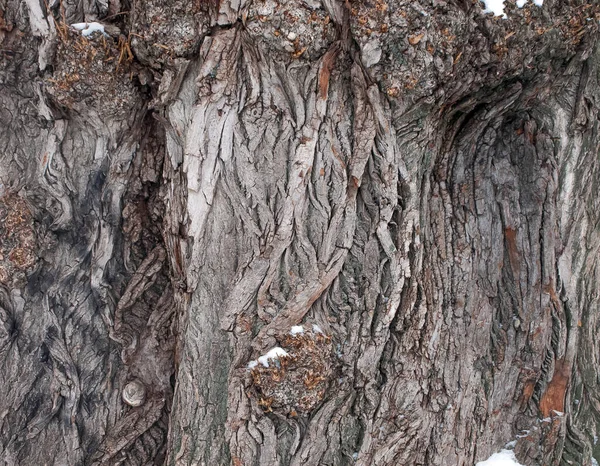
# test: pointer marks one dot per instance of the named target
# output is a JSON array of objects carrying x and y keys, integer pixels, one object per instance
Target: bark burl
[{"x": 397, "y": 200}]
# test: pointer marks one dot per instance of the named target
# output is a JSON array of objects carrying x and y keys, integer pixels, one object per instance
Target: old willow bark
[{"x": 418, "y": 179}]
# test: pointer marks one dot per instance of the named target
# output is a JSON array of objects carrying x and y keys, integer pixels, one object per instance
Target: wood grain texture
[{"x": 417, "y": 179}]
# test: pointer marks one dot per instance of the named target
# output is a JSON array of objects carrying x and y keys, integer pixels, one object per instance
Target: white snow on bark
[
  {"x": 521, "y": 3},
  {"x": 503, "y": 458},
  {"x": 497, "y": 6},
  {"x": 297, "y": 330},
  {"x": 494, "y": 6},
  {"x": 273, "y": 354},
  {"x": 88, "y": 29}
]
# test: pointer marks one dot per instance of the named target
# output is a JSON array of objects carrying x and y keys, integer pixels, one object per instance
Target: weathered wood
[{"x": 417, "y": 179}]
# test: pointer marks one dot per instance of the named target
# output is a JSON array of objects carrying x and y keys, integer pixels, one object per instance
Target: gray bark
[{"x": 418, "y": 179}]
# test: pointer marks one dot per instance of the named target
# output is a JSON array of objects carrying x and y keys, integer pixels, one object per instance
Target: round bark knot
[
  {"x": 134, "y": 393},
  {"x": 293, "y": 379}
]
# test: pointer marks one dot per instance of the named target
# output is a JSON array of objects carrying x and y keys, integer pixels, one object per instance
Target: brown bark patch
[
  {"x": 553, "y": 296},
  {"x": 325, "y": 72},
  {"x": 511, "y": 244},
  {"x": 554, "y": 397}
]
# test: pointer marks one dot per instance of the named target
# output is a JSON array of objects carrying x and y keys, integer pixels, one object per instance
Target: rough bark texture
[{"x": 418, "y": 179}]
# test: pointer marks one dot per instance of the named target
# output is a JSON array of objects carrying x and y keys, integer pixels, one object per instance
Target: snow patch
[
  {"x": 317, "y": 329},
  {"x": 521, "y": 3},
  {"x": 297, "y": 330},
  {"x": 275, "y": 353},
  {"x": 503, "y": 458},
  {"x": 272, "y": 355},
  {"x": 494, "y": 6},
  {"x": 497, "y": 6},
  {"x": 88, "y": 29}
]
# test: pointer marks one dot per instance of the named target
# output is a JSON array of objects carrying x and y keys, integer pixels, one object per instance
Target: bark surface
[{"x": 414, "y": 183}]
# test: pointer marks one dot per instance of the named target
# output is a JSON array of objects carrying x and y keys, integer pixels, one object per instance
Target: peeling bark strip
[{"x": 182, "y": 199}]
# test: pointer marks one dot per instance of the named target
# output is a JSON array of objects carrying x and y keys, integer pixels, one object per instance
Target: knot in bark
[{"x": 134, "y": 393}]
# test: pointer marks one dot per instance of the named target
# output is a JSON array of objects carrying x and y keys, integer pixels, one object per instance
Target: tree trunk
[{"x": 413, "y": 186}]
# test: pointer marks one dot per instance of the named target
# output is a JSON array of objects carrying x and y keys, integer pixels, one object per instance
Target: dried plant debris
[
  {"x": 293, "y": 379},
  {"x": 162, "y": 31},
  {"x": 93, "y": 71},
  {"x": 293, "y": 27},
  {"x": 17, "y": 240}
]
